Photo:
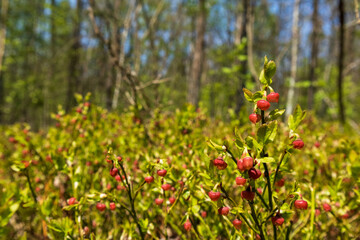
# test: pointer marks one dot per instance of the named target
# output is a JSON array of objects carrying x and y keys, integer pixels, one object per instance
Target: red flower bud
[
  {"x": 273, "y": 97},
  {"x": 263, "y": 105},
  {"x": 254, "y": 118},
  {"x": 214, "y": 196}
]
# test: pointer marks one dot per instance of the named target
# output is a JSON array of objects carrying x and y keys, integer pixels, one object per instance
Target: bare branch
[
  {"x": 351, "y": 66},
  {"x": 129, "y": 75},
  {"x": 151, "y": 22},
  {"x": 356, "y": 21},
  {"x": 130, "y": 99},
  {"x": 353, "y": 23},
  {"x": 156, "y": 81},
  {"x": 283, "y": 52}
]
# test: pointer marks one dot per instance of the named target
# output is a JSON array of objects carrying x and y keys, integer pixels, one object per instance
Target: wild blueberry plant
[
  {"x": 259, "y": 171},
  {"x": 97, "y": 175}
]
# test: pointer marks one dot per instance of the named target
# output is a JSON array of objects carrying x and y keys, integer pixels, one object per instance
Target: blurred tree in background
[{"x": 164, "y": 53}]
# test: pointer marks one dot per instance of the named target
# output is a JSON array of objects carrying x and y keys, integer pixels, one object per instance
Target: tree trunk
[
  {"x": 198, "y": 59},
  {"x": 137, "y": 40},
  {"x": 3, "y": 19},
  {"x": 341, "y": 61},
  {"x": 74, "y": 73},
  {"x": 314, "y": 52},
  {"x": 124, "y": 36},
  {"x": 249, "y": 33},
  {"x": 240, "y": 33},
  {"x": 294, "y": 56},
  {"x": 52, "y": 70}
]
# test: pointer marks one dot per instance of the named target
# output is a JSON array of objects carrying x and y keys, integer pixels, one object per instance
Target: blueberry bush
[{"x": 100, "y": 175}]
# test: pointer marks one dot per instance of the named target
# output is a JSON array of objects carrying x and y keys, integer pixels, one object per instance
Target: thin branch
[
  {"x": 283, "y": 52},
  {"x": 289, "y": 230},
  {"x": 132, "y": 200},
  {"x": 262, "y": 199},
  {"x": 279, "y": 165},
  {"x": 253, "y": 214},
  {"x": 234, "y": 203},
  {"x": 30, "y": 186},
  {"x": 353, "y": 23},
  {"x": 153, "y": 82},
  {"x": 232, "y": 155},
  {"x": 267, "y": 175},
  {"x": 350, "y": 67},
  {"x": 151, "y": 21}
]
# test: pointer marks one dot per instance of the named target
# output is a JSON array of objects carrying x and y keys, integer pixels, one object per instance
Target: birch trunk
[
  {"x": 198, "y": 59},
  {"x": 294, "y": 57},
  {"x": 124, "y": 36}
]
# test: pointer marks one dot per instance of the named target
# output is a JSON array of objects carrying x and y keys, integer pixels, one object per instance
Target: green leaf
[
  {"x": 248, "y": 94},
  {"x": 227, "y": 70},
  {"x": 274, "y": 114},
  {"x": 296, "y": 118},
  {"x": 261, "y": 133},
  {"x": 239, "y": 144},
  {"x": 7, "y": 212},
  {"x": 205, "y": 175},
  {"x": 251, "y": 142},
  {"x": 355, "y": 170},
  {"x": 291, "y": 122},
  {"x": 266, "y": 159},
  {"x": 60, "y": 228},
  {"x": 66, "y": 208},
  {"x": 299, "y": 114},
  {"x": 186, "y": 194},
  {"x": 236, "y": 210},
  {"x": 87, "y": 97},
  {"x": 258, "y": 96},
  {"x": 195, "y": 209},
  {"x": 267, "y": 133},
  {"x": 211, "y": 169},
  {"x": 78, "y": 97},
  {"x": 269, "y": 70},
  {"x": 15, "y": 168},
  {"x": 46, "y": 206},
  {"x": 242, "y": 57},
  {"x": 144, "y": 223},
  {"x": 215, "y": 146},
  {"x": 352, "y": 155},
  {"x": 271, "y": 131},
  {"x": 199, "y": 195},
  {"x": 265, "y": 61},
  {"x": 262, "y": 78},
  {"x": 14, "y": 207}
]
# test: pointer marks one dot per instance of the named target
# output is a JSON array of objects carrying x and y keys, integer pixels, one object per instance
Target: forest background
[{"x": 165, "y": 53}]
